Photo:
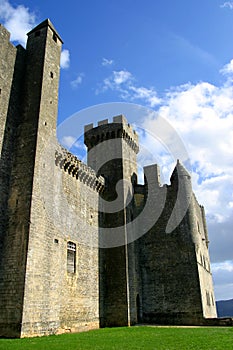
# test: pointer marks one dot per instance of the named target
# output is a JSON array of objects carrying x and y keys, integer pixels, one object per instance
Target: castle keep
[{"x": 86, "y": 246}]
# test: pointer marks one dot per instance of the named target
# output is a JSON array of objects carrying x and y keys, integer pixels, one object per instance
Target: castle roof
[
  {"x": 179, "y": 171},
  {"x": 46, "y": 23}
]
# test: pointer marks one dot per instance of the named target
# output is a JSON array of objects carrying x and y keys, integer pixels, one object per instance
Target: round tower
[
  {"x": 112, "y": 150},
  {"x": 114, "y": 144},
  {"x": 181, "y": 184}
]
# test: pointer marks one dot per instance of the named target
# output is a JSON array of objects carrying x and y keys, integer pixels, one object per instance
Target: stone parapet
[
  {"x": 119, "y": 128},
  {"x": 76, "y": 168}
]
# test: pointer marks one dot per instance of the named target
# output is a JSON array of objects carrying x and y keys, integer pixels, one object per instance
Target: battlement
[
  {"x": 76, "y": 168},
  {"x": 118, "y": 128}
]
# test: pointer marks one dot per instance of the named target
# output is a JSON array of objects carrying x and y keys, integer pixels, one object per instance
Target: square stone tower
[{"x": 29, "y": 88}]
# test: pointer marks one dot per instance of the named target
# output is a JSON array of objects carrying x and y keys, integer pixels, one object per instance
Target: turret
[
  {"x": 180, "y": 173},
  {"x": 181, "y": 184},
  {"x": 113, "y": 136}
]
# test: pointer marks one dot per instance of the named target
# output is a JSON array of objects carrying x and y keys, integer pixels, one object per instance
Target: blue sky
[{"x": 174, "y": 57}]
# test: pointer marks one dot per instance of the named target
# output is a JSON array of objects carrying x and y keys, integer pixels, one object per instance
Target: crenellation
[
  {"x": 70, "y": 163},
  {"x": 106, "y": 131},
  {"x": 88, "y": 127},
  {"x": 120, "y": 119},
  {"x": 103, "y": 122}
]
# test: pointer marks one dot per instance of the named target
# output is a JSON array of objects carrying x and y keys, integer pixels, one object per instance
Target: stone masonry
[{"x": 86, "y": 246}]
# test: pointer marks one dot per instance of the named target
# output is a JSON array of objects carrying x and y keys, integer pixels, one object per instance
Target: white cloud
[
  {"x": 68, "y": 141},
  {"x": 228, "y": 68},
  {"x": 123, "y": 82},
  {"x": 228, "y": 4},
  {"x": 121, "y": 77},
  {"x": 65, "y": 59},
  {"x": 107, "y": 62},
  {"x": 203, "y": 115},
  {"x": 18, "y": 20},
  {"x": 143, "y": 93},
  {"x": 71, "y": 142},
  {"x": 223, "y": 279},
  {"x": 75, "y": 83},
  {"x": 223, "y": 266}
]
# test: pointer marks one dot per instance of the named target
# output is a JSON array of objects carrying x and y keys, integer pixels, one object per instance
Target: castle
[{"x": 86, "y": 246}]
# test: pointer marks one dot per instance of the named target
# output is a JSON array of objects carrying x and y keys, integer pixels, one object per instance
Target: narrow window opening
[
  {"x": 208, "y": 298},
  {"x": 71, "y": 257},
  {"x": 198, "y": 227},
  {"x": 119, "y": 133},
  {"x": 51, "y": 75},
  {"x": 54, "y": 37},
  {"x": 56, "y": 241}
]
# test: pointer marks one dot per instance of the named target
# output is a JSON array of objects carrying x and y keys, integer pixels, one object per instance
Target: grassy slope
[{"x": 156, "y": 338}]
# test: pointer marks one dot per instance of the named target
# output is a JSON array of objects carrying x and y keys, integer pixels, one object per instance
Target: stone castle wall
[{"x": 63, "y": 212}]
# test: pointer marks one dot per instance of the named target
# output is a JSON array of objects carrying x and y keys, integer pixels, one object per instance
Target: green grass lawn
[{"x": 133, "y": 338}]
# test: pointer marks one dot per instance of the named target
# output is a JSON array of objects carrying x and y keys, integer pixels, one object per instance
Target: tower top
[
  {"x": 179, "y": 171},
  {"x": 44, "y": 24},
  {"x": 119, "y": 128}
]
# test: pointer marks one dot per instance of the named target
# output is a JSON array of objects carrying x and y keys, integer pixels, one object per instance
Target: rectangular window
[{"x": 71, "y": 257}]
